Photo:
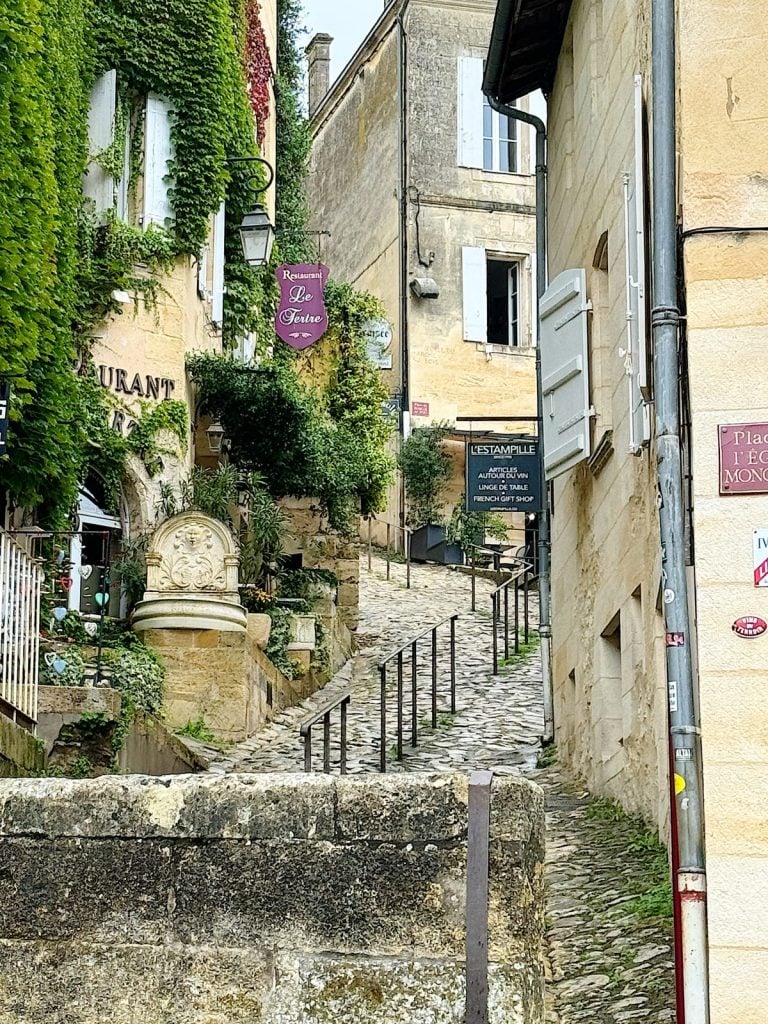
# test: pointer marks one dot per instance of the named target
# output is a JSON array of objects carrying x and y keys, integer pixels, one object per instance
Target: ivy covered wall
[{"x": 59, "y": 264}]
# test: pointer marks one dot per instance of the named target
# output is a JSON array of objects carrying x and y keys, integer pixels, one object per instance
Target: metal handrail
[
  {"x": 324, "y": 716},
  {"x": 407, "y": 534},
  {"x": 398, "y": 656},
  {"x": 522, "y": 573}
]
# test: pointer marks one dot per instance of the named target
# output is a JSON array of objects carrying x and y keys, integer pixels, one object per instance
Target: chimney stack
[{"x": 319, "y": 56}]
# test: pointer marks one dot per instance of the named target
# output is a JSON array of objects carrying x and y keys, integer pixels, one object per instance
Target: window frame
[
  {"x": 496, "y": 140},
  {"x": 514, "y": 268}
]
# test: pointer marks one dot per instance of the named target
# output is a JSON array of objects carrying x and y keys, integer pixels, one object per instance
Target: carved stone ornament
[{"x": 192, "y": 579}]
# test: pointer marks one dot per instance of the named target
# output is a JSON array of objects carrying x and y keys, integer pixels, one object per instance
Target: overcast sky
[{"x": 348, "y": 21}]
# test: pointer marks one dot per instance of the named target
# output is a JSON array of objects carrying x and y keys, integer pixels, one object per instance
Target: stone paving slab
[{"x": 606, "y": 965}]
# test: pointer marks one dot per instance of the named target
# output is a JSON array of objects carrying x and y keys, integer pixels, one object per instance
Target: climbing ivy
[
  {"x": 332, "y": 439},
  {"x": 293, "y": 138}
]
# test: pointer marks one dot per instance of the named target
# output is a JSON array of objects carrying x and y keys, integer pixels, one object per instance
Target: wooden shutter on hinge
[
  {"x": 470, "y": 112},
  {"x": 217, "y": 288},
  {"x": 565, "y": 373},
  {"x": 98, "y": 185},
  {"x": 475, "y": 289},
  {"x": 637, "y": 286},
  {"x": 158, "y": 152}
]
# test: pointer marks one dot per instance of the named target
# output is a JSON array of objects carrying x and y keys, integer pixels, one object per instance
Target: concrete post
[{"x": 319, "y": 57}]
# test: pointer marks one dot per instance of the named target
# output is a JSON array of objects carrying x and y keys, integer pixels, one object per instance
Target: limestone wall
[
  {"x": 610, "y": 699},
  {"x": 20, "y": 752},
  {"x": 279, "y": 899},
  {"x": 724, "y": 147}
]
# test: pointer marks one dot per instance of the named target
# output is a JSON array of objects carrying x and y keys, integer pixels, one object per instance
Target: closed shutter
[
  {"x": 158, "y": 151},
  {"x": 217, "y": 287},
  {"x": 637, "y": 318},
  {"x": 475, "y": 290},
  {"x": 565, "y": 373},
  {"x": 534, "y": 300},
  {"x": 470, "y": 112},
  {"x": 202, "y": 274},
  {"x": 122, "y": 185},
  {"x": 98, "y": 185}
]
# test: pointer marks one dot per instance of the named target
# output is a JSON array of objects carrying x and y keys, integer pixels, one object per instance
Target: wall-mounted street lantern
[
  {"x": 215, "y": 434},
  {"x": 257, "y": 233},
  {"x": 257, "y": 236}
]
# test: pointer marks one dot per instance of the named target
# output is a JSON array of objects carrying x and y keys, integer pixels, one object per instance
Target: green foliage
[
  {"x": 138, "y": 673},
  {"x": 279, "y": 638},
  {"x": 305, "y": 584},
  {"x": 468, "y": 528},
  {"x": 547, "y": 756},
  {"x": 73, "y": 675},
  {"x": 293, "y": 138},
  {"x": 197, "y": 730},
  {"x": 44, "y": 71},
  {"x": 262, "y": 538},
  {"x": 426, "y": 467},
  {"x": 331, "y": 446}
]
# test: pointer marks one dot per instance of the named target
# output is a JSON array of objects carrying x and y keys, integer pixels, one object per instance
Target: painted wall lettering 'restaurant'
[
  {"x": 744, "y": 458},
  {"x": 302, "y": 318},
  {"x": 123, "y": 382}
]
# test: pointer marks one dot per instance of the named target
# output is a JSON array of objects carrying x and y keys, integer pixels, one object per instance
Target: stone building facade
[
  {"x": 609, "y": 588},
  {"x": 426, "y": 199}
]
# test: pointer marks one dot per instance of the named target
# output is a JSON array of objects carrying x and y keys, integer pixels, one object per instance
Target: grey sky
[{"x": 348, "y": 21}]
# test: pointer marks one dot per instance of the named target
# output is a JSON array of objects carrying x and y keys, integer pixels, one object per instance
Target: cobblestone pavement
[{"x": 607, "y": 963}]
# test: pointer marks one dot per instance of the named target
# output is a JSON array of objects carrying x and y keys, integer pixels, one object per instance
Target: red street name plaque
[{"x": 744, "y": 458}]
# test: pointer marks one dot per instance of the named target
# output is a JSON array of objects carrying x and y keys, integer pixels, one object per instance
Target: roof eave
[{"x": 525, "y": 46}]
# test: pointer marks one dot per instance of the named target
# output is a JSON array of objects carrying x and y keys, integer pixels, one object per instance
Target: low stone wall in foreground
[{"x": 261, "y": 899}]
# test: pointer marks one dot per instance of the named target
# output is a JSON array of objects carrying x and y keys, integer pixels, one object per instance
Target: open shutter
[
  {"x": 98, "y": 185},
  {"x": 565, "y": 372},
  {"x": 475, "y": 289},
  {"x": 217, "y": 288},
  {"x": 122, "y": 185},
  {"x": 202, "y": 274},
  {"x": 637, "y": 318},
  {"x": 470, "y": 112},
  {"x": 158, "y": 151}
]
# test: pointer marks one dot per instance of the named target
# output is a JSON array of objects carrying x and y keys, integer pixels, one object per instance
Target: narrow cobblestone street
[{"x": 609, "y": 961}]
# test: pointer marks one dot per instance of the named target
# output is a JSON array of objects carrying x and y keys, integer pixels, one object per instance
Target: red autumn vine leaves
[{"x": 258, "y": 67}]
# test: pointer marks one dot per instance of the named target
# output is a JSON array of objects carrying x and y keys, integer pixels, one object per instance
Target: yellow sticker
[{"x": 679, "y": 784}]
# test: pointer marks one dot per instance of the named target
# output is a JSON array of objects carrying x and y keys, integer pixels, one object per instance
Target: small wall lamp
[{"x": 257, "y": 233}]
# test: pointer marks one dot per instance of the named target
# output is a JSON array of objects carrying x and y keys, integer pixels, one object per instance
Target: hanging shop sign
[
  {"x": 503, "y": 476},
  {"x": 5, "y": 399},
  {"x": 750, "y": 626},
  {"x": 378, "y": 336},
  {"x": 744, "y": 458},
  {"x": 302, "y": 318}
]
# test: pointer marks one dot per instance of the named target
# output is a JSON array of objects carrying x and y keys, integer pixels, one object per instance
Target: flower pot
[
  {"x": 302, "y": 633},
  {"x": 429, "y": 544}
]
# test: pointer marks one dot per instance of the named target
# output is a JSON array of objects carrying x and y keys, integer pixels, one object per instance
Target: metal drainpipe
[
  {"x": 402, "y": 91},
  {"x": 685, "y": 732},
  {"x": 545, "y": 600}
]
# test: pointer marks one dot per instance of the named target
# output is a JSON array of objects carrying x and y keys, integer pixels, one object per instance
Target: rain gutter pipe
[
  {"x": 685, "y": 733},
  {"x": 545, "y": 583}
]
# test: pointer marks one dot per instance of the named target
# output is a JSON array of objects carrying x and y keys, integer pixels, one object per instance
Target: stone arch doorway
[{"x": 94, "y": 549}]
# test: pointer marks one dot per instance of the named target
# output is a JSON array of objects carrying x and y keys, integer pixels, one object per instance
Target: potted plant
[
  {"x": 471, "y": 529},
  {"x": 426, "y": 468}
]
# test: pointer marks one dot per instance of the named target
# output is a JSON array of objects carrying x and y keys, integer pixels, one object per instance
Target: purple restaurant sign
[{"x": 301, "y": 318}]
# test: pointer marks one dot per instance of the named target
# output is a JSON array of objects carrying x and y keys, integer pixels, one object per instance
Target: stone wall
[
  {"x": 322, "y": 548},
  {"x": 278, "y": 899},
  {"x": 20, "y": 753},
  {"x": 608, "y": 633}
]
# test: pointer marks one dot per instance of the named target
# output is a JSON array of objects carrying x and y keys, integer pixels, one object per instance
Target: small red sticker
[
  {"x": 750, "y": 626},
  {"x": 675, "y": 639}
]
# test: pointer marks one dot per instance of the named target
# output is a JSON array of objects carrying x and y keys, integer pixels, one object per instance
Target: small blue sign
[{"x": 503, "y": 476}]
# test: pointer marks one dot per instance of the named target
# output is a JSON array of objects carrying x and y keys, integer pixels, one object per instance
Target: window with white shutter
[
  {"x": 565, "y": 373},
  {"x": 217, "y": 287},
  {"x": 98, "y": 185},
  {"x": 470, "y": 112},
  {"x": 158, "y": 151},
  {"x": 636, "y": 357},
  {"x": 475, "y": 293}
]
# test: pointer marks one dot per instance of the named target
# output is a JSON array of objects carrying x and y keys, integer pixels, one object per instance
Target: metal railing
[
  {"x": 499, "y": 597},
  {"x": 324, "y": 716},
  {"x": 406, "y": 531},
  {"x": 21, "y": 580},
  {"x": 410, "y": 652}
]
